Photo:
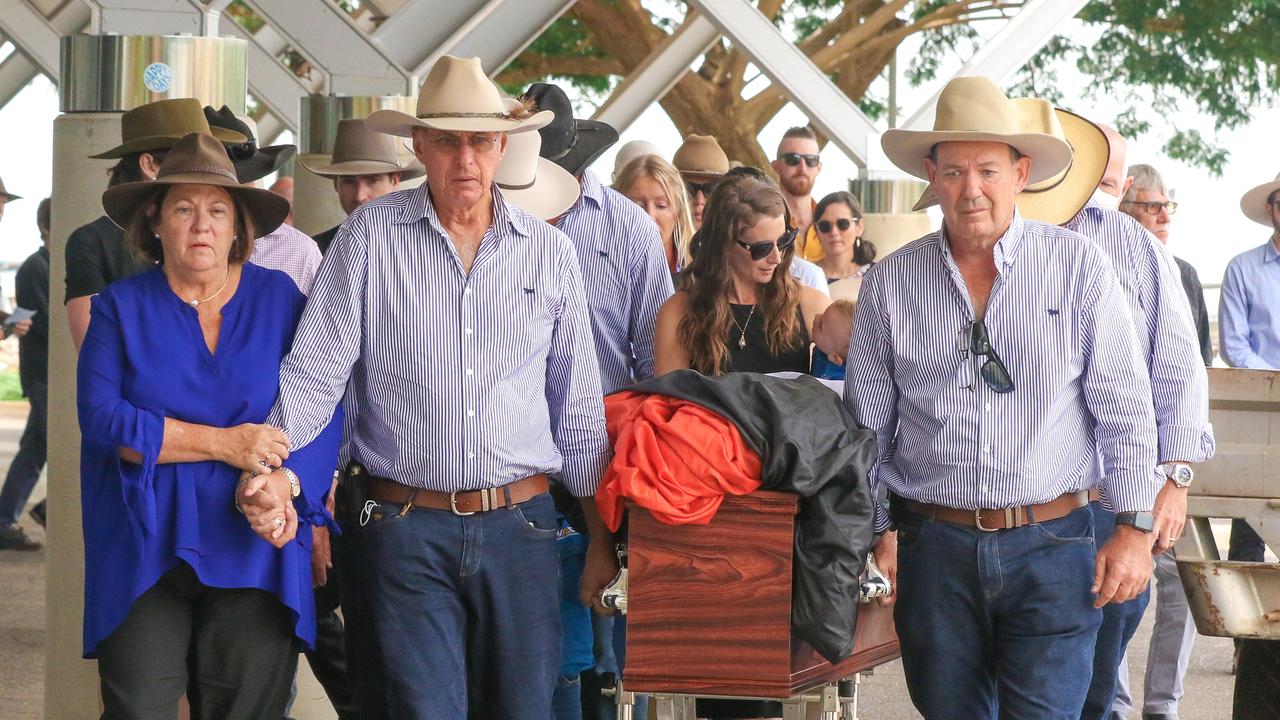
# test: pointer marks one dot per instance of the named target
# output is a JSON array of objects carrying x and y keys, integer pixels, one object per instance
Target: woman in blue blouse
[{"x": 183, "y": 592}]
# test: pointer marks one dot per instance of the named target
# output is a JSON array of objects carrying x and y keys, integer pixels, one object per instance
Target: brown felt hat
[
  {"x": 158, "y": 125},
  {"x": 197, "y": 159},
  {"x": 701, "y": 158},
  {"x": 357, "y": 150}
]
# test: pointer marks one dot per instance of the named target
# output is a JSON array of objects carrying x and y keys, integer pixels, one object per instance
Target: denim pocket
[
  {"x": 376, "y": 516},
  {"x": 911, "y": 529},
  {"x": 538, "y": 517},
  {"x": 1076, "y": 527}
]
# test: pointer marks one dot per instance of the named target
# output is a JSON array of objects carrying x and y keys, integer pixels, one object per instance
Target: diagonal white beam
[
  {"x": 32, "y": 33},
  {"x": 653, "y": 78},
  {"x": 413, "y": 32},
  {"x": 499, "y": 32},
  {"x": 829, "y": 109},
  {"x": 354, "y": 64},
  {"x": 16, "y": 72},
  {"x": 273, "y": 84},
  {"x": 1008, "y": 50}
]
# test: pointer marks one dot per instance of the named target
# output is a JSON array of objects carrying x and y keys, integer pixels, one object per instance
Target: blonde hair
[
  {"x": 843, "y": 307},
  {"x": 666, "y": 175}
]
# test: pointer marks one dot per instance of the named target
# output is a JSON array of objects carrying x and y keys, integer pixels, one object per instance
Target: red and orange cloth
[{"x": 673, "y": 457}]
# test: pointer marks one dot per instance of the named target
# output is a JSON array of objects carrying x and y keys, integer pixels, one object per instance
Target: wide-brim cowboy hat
[
  {"x": 158, "y": 125},
  {"x": 537, "y": 184},
  {"x": 4, "y": 193},
  {"x": 569, "y": 142},
  {"x": 458, "y": 97},
  {"x": 700, "y": 158},
  {"x": 252, "y": 162},
  {"x": 197, "y": 159},
  {"x": 1061, "y": 197},
  {"x": 358, "y": 150},
  {"x": 973, "y": 109},
  {"x": 1254, "y": 203}
]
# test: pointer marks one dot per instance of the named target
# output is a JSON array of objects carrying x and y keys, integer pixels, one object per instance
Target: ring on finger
[{"x": 277, "y": 522}]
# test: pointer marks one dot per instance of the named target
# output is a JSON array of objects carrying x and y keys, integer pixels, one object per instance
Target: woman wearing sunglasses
[
  {"x": 846, "y": 254},
  {"x": 739, "y": 308}
]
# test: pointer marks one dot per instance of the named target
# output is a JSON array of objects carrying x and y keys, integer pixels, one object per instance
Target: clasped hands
[{"x": 263, "y": 493}]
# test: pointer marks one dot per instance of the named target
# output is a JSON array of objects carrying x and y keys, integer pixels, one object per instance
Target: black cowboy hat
[
  {"x": 252, "y": 162},
  {"x": 568, "y": 142}
]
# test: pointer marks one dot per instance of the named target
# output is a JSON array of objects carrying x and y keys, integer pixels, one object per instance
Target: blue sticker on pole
[{"x": 158, "y": 77}]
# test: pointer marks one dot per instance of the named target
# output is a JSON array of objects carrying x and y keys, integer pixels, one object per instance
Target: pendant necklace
[
  {"x": 742, "y": 329},
  {"x": 197, "y": 303}
]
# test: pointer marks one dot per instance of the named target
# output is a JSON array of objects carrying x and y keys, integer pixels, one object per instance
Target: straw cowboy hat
[
  {"x": 571, "y": 143},
  {"x": 6, "y": 194},
  {"x": 1061, "y": 197},
  {"x": 252, "y": 162},
  {"x": 358, "y": 150},
  {"x": 631, "y": 151},
  {"x": 158, "y": 125},
  {"x": 1254, "y": 203},
  {"x": 701, "y": 158},
  {"x": 972, "y": 109},
  {"x": 197, "y": 159},
  {"x": 535, "y": 183},
  {"x": 456, "y": 96}
]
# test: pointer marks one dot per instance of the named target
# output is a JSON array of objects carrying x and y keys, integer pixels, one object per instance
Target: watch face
[{"x": 1182, "y": 475}]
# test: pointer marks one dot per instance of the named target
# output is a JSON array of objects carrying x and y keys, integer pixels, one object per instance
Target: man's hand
[
  {"x": 253, "y": 448},
  {"x": 21, "y": 328},
  {"x": 598, "y": 570},
  {"x": 1123, "y": 568},
  {"x": 1170, "y": 515},
  {"x": 321, "y": 556},
  {"x": 885, "y": 552},
  {"x": 268, "y": 506}
]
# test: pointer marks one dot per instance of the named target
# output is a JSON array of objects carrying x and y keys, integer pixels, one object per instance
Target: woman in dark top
[
  {"x": 847, "y": 254},
  {"x": 739, "y": 309},
  {"x": 180, "y": 366}
]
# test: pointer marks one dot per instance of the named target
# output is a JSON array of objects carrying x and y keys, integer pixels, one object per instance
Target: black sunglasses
[
  {"x": 824, "y": 226},
  {"x": 793, "y": 159},
  {"x": 974, "y": 339},
  {"x": 761, "y": 250},
  {"x": 703, "y": 187}
]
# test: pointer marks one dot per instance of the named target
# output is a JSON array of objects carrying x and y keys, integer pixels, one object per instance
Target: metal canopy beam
[
  {"x": 412, "y": 33},
  {"x": 16, "y": 72},
  {"x": 653, "y": 78},
  {"x": 499, "y": 32},
  {"x": 1008, "y": 50},
  {"x": 353, "y": 64},
  {"x": 829, "y": 109},
  {"x": 273, "y": 84},
  {"x": 153, "y": 17},
  {"x": 32, "y": 34}
]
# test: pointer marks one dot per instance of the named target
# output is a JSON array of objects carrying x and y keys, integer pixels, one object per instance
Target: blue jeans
[
  {"x": 25, "y": 469},
  {"x": 566, "y": 702},
  {"x": 1119, "y": 623},
  {"x": 466, "y": 607},
  {"x": 996, "y": 624},
  {"x": 611, "y": 657}
]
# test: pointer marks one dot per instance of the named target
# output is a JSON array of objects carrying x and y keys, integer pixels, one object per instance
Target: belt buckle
[
  {"x": 453, "y": 505},
  {"x": 977, "y": 520}
]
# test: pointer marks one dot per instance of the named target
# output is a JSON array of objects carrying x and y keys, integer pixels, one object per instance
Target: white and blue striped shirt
[
  {"x": 1166, "y": 334},
  {"x": 625, "y": 272},
  {"x": 1081, "y": 389},
  {"x": 457, "y": 381}
]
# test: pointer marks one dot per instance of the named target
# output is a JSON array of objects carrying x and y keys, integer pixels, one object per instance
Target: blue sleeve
[{"x": 108, "y": 421}]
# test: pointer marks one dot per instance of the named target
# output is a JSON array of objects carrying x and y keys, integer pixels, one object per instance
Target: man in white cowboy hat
[
  {"x": 456, "y": 325},
  {"x": 1249, "y": 311},
  {"x": 365, "y": 165},
  {"x": 997, "y": 376}
]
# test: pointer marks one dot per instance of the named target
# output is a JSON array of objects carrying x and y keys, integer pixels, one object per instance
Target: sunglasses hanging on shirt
[
  {"x": 761, "y": 250},
  {"x": 974, "y": 339}
]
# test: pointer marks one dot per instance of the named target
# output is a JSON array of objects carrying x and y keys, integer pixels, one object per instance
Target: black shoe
[
  {"x": 37, "y": 512},
  {"x": 13, "y": 538}
]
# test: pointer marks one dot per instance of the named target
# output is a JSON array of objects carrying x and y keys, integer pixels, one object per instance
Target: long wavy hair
[
  {"x": 736, "y": 204},
  {"x": 668, "y": 178}
]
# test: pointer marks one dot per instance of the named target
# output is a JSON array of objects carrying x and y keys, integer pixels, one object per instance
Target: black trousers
[
  {"x": 232, "y": 652},
  {"x": 329, "y": 660},
  {"x": 363, "y": 658}
]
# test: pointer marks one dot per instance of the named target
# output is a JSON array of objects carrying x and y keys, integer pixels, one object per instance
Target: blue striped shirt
[
  {"x": 1081, "y": 389},
  {"x": 1249, "y": 311},
  {"x": 1166, "y": 334},
  {"x": 625, "y": 272},
  {"x": 456, "y": 381}
]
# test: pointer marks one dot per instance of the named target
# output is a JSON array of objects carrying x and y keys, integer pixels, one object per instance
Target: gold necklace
[
  {"x": 197, "y": 303},
  {"x": 742, "y": 329}
]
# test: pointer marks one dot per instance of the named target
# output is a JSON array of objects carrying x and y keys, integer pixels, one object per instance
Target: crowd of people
[{"x": 379, "y": 446}]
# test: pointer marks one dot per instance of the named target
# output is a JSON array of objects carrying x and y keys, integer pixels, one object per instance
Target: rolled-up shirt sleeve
[
  {"x": 109, "y": 422},
  {"x": 575, "y": 401},
  {"x": 1117, "y": 393},
  {"x": 870, "y": 393}
]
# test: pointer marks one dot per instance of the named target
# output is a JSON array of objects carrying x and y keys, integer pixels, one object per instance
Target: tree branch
[{"x": 533, "y": 66}]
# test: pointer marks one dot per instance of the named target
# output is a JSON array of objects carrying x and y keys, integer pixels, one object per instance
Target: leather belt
[
  {"x": 1006, "y": 519},
  {"x": 467, "y": 502}
]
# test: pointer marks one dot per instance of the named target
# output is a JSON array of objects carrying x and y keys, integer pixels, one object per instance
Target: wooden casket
[{"x": 709, "y": 607}]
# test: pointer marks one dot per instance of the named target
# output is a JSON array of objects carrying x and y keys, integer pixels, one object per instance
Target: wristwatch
[
  {"x": 295, "y": 486},
  {"x": 1180, "y": 473},
  {"x": 1137, "y": 520}
]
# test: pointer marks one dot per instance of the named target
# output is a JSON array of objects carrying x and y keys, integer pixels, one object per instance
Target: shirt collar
[
  {"x": 592, "y": 189},
  {"x": 1006, "y": 249},
  {"x": 1271, "y": 253},
  {"x": 420, "y": 207}
]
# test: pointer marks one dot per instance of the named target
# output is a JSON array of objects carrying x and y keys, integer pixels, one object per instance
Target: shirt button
[
  {"x": 469, "y": 371},
  {"x": 468, "y": 331},
  {"x": 986, "y": 490},
  {"x": 471, "y": 456},
  {"x": 471, "y": 413},
  {"x": 986, "y": 449},
  {"x": 988, "y": 407},
  {"x": 468, "y": 291}
]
